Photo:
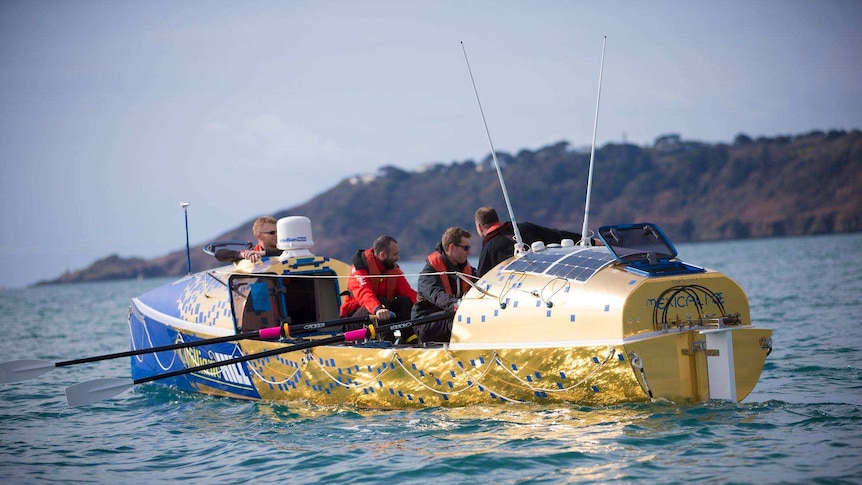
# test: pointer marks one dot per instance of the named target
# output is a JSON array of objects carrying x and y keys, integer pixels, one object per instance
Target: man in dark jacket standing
[
  {"x": 498, "y": 238},
  {"x": 440, "y": 285}
]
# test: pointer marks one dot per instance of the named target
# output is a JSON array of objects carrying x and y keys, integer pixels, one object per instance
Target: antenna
[
  {"x": 185, "y": 206},
  {"x": 585, "y": 240},
  {"x": 519, "y": 244}
]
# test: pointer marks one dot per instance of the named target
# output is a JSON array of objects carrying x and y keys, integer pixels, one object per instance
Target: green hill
[{"x": 782, "y": 186}]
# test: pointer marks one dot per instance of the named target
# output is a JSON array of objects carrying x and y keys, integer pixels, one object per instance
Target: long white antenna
[
  {"x": 519, "y": 244},
  {"x": 185, "y": 206},
  {"x": 585, "y": 239}
]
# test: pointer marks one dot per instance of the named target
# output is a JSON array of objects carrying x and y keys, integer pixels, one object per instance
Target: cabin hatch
[{"x": 261, "y": 301}]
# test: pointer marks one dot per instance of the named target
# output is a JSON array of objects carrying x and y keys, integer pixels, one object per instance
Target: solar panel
[
  {"x": 562, "y": 262},
  {"x": 581, "y": 265},
  {"x": 535, "y": 262}
]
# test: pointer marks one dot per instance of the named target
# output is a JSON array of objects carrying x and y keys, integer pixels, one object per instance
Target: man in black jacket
[
  {"x": 441, "y": 285},
  {"x": 498, "y": 238}
]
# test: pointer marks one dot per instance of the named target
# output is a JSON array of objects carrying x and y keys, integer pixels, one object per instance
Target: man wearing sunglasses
[
  {"x": 267, "y": 243},
  {"x": 442, "y": 283}
]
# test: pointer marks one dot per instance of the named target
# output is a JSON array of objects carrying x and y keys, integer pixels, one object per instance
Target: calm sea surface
[{"x": 802, "y": 423}]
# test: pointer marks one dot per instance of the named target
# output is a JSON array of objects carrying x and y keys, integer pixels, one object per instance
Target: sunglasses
[
  {"x": 271, "y": 233},
  {"x": 466, "y": 248}
]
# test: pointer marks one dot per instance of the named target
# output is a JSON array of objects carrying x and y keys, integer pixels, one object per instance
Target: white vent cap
[{"x": 294, "y": 234}]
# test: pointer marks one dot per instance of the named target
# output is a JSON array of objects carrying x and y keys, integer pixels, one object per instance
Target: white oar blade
[
  {"x": 21, "y": 370},
  {"x": 96, "y": 390}
]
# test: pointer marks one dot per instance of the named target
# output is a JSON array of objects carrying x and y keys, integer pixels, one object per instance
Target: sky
[{"x": 112, "y": 113}]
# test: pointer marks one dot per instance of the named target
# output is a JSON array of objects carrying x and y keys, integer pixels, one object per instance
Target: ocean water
[{"x": 802, "y": 423}]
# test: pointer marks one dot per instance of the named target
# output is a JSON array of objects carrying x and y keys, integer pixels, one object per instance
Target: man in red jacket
[{"x": 377, "y": 286}]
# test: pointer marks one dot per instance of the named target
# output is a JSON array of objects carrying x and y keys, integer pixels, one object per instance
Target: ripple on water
[{"x": 801, "y": 424}]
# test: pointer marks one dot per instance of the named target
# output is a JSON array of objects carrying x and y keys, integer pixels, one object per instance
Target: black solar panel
[
  {"x": 535, "y": 262},
  {"x": 579, "y": 265}
]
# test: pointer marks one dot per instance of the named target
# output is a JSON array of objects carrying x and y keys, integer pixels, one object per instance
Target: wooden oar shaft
[{"x": 347, "y": 336}]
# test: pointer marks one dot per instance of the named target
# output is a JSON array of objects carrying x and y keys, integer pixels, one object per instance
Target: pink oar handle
[
  {"x": 270, "y": 333},
  {"x": 355, "y": 335}
]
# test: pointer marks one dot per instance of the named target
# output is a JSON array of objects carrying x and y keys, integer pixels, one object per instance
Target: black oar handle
[
  {"x": 271, "y": 333},
  {"x": 311, "y": 327},
  {"x": 360, "y": 334},
  {"x": 371, "y": 331},
  {"x": 265, "y": 333},
  {"x": 244, "y": 358}
]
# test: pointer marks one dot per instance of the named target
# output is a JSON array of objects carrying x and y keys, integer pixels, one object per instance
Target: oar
[
  {"x": 21, "y": 370},
  {"x": 96, "y": 390},
  {"x": 314, "y": 326}
]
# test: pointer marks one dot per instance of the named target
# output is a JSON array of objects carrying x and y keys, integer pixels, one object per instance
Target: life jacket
[
  {"x": 435, "y": 259},
  {"x": 375, "y": 268},
  {"x": 493, "y": 229}
]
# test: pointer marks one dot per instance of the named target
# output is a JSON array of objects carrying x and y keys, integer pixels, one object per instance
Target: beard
[{"x": 389, "y": 264}]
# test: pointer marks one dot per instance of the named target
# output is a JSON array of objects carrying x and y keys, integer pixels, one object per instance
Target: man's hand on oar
[
  {"x": 96, "y": 390},
  {"x": 22, "y": 370}
]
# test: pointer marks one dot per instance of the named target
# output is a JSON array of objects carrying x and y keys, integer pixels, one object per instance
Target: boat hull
[
  {"x": 148, "y": 330},
  {"x": 415, "y": 377},
  {"x": 660, "y": 366},
  {"x": 565, "y": 325}
]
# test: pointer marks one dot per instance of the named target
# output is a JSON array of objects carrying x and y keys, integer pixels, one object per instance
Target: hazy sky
[{"x": 113, "y": 112}]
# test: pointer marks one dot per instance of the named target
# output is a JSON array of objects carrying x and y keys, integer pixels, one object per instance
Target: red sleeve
[
  {"x": 403, "y": 288},
  {"x": 362, "y": 291}
]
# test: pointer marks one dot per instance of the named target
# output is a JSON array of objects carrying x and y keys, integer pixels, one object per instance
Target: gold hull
[
  {"x": 611, "y": 336},
  {"x": 655, "y": 368}
]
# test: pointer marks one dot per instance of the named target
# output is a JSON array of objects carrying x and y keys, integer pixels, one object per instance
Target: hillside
[{"x": 782, "y": 186}]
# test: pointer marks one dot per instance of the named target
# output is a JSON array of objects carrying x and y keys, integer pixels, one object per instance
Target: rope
[
  {"x": 146, "y": 333},
  {"x": 636, "y": 362},
  {"x": 338, "y": 381},
  {"x": 611, "y": 352},
  {"x": 426, "y": 386},
  {"x": 474, "y": 379},
  {"x": 302, "y": 362},
  {"x": 477, "y": 380},
  {"x": 554, "y": 293}
]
